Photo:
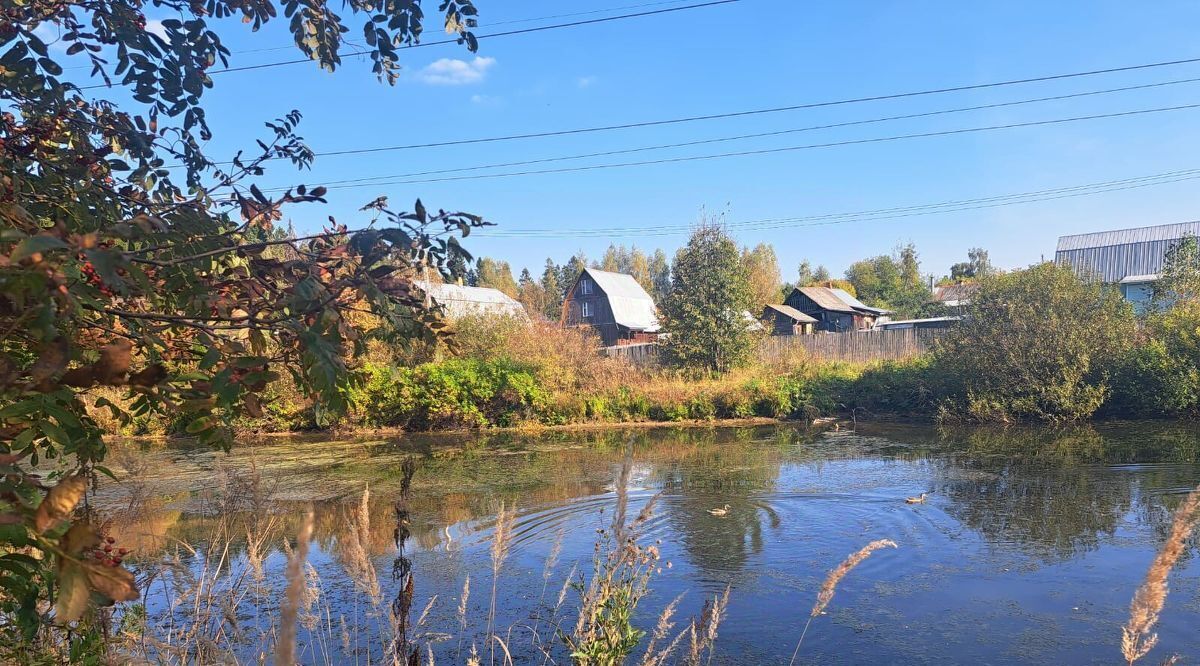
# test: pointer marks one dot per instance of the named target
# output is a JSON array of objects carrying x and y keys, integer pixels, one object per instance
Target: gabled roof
[
  {"x": 839, "y": 300},
  {"x": 826, "y": 299},
  {"x": 792, "y": 313},
  {"x": 631, "y": 306},
  {"x": 955, "y": 294},
  {"x": 857, "y": 304},
  {"x": 458, "y": 300},
  {"x": 1161, "y": 232}
]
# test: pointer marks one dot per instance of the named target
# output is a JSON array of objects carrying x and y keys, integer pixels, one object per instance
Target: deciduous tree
[{"x": 704, "y": 313}]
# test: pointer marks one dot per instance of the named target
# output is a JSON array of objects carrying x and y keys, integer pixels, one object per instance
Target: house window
[
  {"x": 585, "y": 287},
  {"x": 585, "y": 308}
]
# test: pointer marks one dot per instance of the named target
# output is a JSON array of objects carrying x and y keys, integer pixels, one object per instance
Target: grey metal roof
[
  {"x": 857, "y": 304},
  {"x": 792, "y": 313},
  {"x": 1111, "y": 256},
  {"x": 1141, "y": 279},
  {"x": 458, "y": 300},
  {"x": 631, "y": 306},
  {"x": 1161, "y": 232}
]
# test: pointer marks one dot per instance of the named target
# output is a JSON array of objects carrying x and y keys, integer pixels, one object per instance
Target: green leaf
[
  {"x": 34, "y": 245},
  {"x": 199, "y": 425}
]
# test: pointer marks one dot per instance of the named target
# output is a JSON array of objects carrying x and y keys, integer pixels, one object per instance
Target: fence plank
[{"x": 862, "y": 347}]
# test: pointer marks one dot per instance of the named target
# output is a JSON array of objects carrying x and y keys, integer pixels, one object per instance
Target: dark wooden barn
[
  {"x": 786, "y": 320},
  {"x": 613, "y": 304},
  {"x": 834, "y": 309}
]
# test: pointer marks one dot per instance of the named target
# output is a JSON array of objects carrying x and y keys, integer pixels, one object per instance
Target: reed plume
[
  {"x": 835, "y": 577},
  {"x": 1137, "y": 637},
  {"x": 661, "y": 629},
  {"x": 501, "y": 543},
  {"x": 289, "y": 610}
]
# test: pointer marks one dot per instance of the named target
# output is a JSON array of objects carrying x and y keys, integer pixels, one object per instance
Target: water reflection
[{"x": 1076, "y": 514}]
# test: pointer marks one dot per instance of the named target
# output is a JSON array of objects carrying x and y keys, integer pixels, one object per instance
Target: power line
[
  {"x": 767, "y": 151},
  {"x": 508, "y": 33},
  {"x": 753, "y": 112},
  {"x": 607, "y": 153},
  {"x": 873, "y": 215}
]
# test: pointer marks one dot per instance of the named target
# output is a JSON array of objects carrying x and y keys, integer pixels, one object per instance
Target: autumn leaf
[
  {"x": 59, "y": 503},
  {"x": 73, "y": 593},
  {"x": 114, "y": 362},
  {"x": 116, "y": 583},
  {"x": 51, "y": 361}
]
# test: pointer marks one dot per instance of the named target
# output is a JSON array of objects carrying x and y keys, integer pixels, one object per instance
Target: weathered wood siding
[
  {"x": 857, "y": 347},
  {"x": 853, "y": 347},
  {"x": 602, "y": 319}
]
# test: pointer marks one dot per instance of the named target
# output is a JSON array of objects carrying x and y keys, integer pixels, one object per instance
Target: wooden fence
[{"x": 855, "y": 347}]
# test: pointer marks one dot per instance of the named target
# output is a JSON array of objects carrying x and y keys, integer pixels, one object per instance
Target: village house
[
  {"x": 955, "y": 295},
  {"x": 614, "y": 304},
  {"x": 1129, "y": 258},
  {"x": 458, "y": 300},
  {"x": 834, "y": 310},
  {"x": 787, "y": 320}
]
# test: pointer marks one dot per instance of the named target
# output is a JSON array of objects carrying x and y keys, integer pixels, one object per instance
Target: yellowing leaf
[
  {"x": 116, "y": 583},
  {"x": 59, "y": 503},
  {"x": 73, "y": 593}
]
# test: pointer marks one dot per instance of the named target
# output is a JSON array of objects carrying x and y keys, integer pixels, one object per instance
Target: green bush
[{"x": 459, "y": 393}]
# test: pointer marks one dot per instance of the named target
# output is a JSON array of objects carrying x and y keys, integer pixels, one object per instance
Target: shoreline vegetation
[{"x": 1038, "y": 345}]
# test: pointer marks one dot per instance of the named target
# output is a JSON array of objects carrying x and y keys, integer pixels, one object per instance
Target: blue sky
[{"x": 747, "y": 55}]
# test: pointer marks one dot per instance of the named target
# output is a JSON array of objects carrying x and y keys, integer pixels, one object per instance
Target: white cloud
[
  {"x": 585, "y": 81},
  {"x": 486, "y": 100},
  {"x": 454, "y": 72},
  {"x": 155, "y": 26}
]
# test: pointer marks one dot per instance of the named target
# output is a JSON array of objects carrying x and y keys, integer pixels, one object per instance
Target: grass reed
[
  {"x": 1137, "y": 636},
  {"x": 289, "y": 608},
  {"x": 831, "y": 582}
]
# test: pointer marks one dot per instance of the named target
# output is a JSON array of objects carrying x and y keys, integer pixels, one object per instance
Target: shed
[
  {"x": 614, "y": 304},
  {"x": 787, "y": 320},
  {"x": 1112, "y": 256},
  {"x": 834, "y": 310},
  {"x": 459, "y": 300}
]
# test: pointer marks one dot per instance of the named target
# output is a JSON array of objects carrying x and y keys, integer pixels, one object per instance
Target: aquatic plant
[{"x": 1137, "y": 636}]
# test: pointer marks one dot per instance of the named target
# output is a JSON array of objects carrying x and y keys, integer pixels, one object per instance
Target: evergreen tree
[
  {"x": 497, "y": 275},
  {"x": 553, "y": 290},
  {"x": 531, "y": 294},
  {"x": 660, "y": 276},
  {"x": 704, "y": 312}
]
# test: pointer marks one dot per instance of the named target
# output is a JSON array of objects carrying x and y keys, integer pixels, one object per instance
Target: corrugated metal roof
[
  {"x": 792, "y": 313},
  {"x": 1111, "y": 256},
  {"x": 631, "y": 306},
  {"x": 1161, "y": 232},
  {"x": 857, "y": 304},
  {"x": 458, "y": 300}
]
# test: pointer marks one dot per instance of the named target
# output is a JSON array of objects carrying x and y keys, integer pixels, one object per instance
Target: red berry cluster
[
  {"x": 93, "y": 278},
  {"x": 106, "y": 555}
]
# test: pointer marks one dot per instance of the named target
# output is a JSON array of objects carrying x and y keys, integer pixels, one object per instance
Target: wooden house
[
  {"x": 787, "y": 320},
  {"x": 614, "y": 304},
  {"x": 834, "y": 310}
]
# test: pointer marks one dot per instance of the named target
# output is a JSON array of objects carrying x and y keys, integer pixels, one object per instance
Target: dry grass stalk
[
  {"x": 831, "y": 582},
  {"x": 289, "y": 609},
  {"x": 661, "y": 629},
  {"x": 425, "y": 613},
  {"x": 1137, "y": 637},
  {"x": 702, "y": 631},
  {"x": 501, "y": 544}
]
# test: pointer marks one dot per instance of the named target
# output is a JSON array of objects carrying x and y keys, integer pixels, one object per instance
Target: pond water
[{"x": 1027, "y": 550}]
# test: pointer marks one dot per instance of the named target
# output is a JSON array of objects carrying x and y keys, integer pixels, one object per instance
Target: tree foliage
[
  {"x": 1180, "y": 276},
  {"x": 977, "y": 266},
  {"x": 1036, "y": 344},
  {"x": 496, "y": 274},
  {"x": 705, "y": 311},
  {"x": 762, "y": 270},
  {"x": 116, "y": 269},
  {"x": 892, "y": 282}
]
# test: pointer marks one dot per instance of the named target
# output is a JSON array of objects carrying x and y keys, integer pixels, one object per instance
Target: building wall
[
  {"x": 1117, "y": 262},
  {"x": 601, "y": 318},
  {"x": 828, "y": 320},
  {"x": 1139, "y": 294}
]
